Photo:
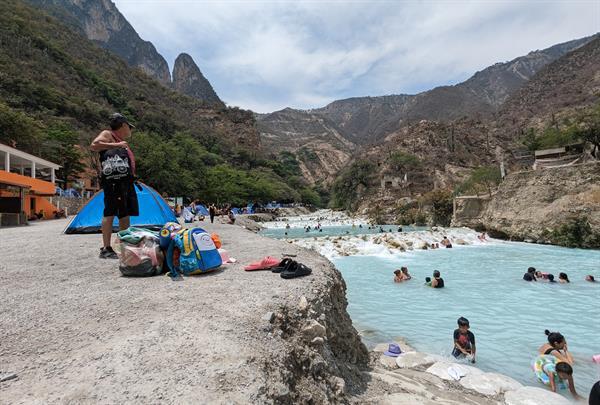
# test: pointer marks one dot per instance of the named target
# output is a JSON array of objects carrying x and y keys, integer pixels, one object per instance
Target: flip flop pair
[{"x": 289, "y": 268}]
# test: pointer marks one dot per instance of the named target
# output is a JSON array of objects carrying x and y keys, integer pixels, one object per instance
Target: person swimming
[
  {"x": 438, "y": 281},
  {"x": 541, "y": 276},
  {"x": 590, "y": 278},
  {"x": 551, "y": 278},
  {"x": 563, "y": 278},
  {"x": 428, "y": 281},
  {"x": 557, "y": 347},
  {"x": 530, "y": 275}
]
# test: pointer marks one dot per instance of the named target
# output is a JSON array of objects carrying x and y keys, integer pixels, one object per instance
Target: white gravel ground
[{"x": 75, "y": 331}]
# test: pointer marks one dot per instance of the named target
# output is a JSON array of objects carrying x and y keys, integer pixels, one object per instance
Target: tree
[
  {"x": 61, "y": 147},
  {"x": 483, "y": 178},
  {"x": 404, "y": 161},
  {"x": 589, "y": 129},
  {"x": 345, "y": 188}
]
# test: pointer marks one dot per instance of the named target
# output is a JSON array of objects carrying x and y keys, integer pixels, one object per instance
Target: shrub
[{"x": 482, "y": 179}]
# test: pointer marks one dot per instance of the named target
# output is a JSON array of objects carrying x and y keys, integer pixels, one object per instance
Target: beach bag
[
  {"x": 139, "y": 253},
  {"x": 216, "y": 239},
  {"x": 197, "y": 253}
]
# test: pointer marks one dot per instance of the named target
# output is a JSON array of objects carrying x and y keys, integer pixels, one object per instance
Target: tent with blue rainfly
[
  {"x": 154, "y": 212},
  {"x": 201, "y": 209}
]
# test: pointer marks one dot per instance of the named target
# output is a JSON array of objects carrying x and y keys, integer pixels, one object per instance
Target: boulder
[
  {"x": 388, "y": 362},
  {"x": 440, "y": 369},
  {"x": 416, "y": 359},
  {"x": 313, "y": 329},
  {"x": 534, "y": 396},
  {"x": 489, "y": 383}
]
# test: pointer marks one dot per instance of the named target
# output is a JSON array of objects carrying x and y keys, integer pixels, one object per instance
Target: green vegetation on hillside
[
  {"x": 58, "y": 89},
  {"x": 582, "y": 127},
  {"x": 482, "y": 180},
  {"x": 402, "y": 161},
  {"x": 346, "y": 188}
]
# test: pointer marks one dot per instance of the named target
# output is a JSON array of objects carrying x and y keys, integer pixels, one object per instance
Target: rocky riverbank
[
  {"x": 73, "y": 330},
  {"x": 558, "y": 206}
]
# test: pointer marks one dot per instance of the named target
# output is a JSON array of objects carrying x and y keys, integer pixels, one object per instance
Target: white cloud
[{"x": 268, "y": 55}]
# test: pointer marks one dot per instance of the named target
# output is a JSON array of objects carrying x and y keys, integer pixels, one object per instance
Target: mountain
[
  {"x": 319, "y": 148},
  {"x": 47, "y": 81},
  {"x": 556, "y": 92},
  {"x": 188, "y": 79},
  {"x": 368, "y": 120},
  {"x": 101, "y": 22}
]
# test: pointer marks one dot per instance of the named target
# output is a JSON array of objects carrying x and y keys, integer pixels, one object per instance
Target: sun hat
[{"x": 393, "y": 350}]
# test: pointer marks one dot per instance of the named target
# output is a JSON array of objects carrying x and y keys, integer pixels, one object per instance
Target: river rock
[
  {"x": 303, "y": 304},
  {"x": 489, "y": 383},
  {"x": 416, "y": 359},
  {"x": 440, "y": 369},
  {"x": 460, "y": 242},
  {"x": 534, "y": 396},
  {"x": 388, "y": 362},
  {"x": 313, "y": 329}
]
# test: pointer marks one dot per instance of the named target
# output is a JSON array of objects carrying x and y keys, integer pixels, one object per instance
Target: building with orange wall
[{"x": 26, "y": 183}]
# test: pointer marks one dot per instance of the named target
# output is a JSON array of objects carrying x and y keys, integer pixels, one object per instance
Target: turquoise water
[
  {"x": 483, "y": 283},
  {"x": 279, "y": 233}
]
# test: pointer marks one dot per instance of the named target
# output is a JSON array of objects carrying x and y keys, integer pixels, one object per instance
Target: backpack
[{"x": 197, "y": 253}]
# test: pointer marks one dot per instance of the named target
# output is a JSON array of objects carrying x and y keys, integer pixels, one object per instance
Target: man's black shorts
[{"x": 120, "y": 199}]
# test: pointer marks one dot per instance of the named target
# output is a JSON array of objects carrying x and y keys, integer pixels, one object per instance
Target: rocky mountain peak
[
  {"x": 188, "y": 79},
  {"x": 101, "y": 22}
]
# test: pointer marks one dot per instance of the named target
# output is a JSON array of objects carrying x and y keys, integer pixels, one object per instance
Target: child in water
[
  {"x": 553, "y": 373},
  {"x": 464, "y": 341}
]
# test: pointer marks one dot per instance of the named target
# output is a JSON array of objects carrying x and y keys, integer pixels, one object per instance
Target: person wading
[{"x": 117, "y": 179}]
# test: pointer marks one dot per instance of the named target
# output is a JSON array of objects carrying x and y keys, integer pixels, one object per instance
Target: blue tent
[
  {"x": 154, "y": 212},
  {"x": 201, "y": 209}
]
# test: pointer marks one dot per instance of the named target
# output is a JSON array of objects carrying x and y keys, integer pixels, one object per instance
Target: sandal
[
  {"x": 296, "y": 270},
  {"x": 284, "y": 264}
]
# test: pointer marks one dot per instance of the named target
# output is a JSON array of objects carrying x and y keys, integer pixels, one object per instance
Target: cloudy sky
[{"x": 268, "y": 55}]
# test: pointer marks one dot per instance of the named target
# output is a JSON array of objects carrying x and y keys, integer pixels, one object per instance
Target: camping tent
[
  {"x": 154, "y": 212},
  {"x": 201, "y": 209}
]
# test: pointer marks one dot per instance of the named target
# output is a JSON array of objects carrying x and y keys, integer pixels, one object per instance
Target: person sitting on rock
[
  {"x": 464, "y": 341},
  {"x": 446, "y": 242}
]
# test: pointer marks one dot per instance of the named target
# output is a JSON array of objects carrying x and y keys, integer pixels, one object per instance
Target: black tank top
[
  {"x": 440, "y": 283},
  {"x": 115, "y": 165}
]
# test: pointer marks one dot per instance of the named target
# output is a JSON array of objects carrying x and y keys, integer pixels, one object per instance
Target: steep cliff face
[
  {"x": 317, "y": 143},
  {"x": 537, "y": 205},
  {"x": 188, "y": 79},
  {"x": 101, "y": 22}
]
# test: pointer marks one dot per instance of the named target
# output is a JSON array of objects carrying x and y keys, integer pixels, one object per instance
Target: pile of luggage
[{"x": 175, "y": 250}]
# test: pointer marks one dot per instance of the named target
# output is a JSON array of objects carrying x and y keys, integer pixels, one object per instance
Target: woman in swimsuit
[{"x": 557, "y": 347}]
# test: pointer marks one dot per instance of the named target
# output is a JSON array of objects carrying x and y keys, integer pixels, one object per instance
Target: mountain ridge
[{"x": 102, "y": 22}]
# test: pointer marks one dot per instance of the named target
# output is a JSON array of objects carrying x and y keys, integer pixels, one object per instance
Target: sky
[{"x": 268, "y": 55}]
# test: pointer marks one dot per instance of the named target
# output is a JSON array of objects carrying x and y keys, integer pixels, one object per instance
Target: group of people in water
[
  {"x": 536, "y": 275},
  {"x": 553, "y": 364},
  {"x": 402, "y": 274}
]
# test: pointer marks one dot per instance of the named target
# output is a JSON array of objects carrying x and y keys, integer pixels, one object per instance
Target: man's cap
[{"x": 117, "y": 119}]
